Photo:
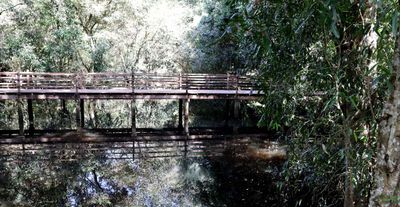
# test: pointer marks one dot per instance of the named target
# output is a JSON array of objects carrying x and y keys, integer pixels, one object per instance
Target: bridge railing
[{"x": 34, "y": 80}]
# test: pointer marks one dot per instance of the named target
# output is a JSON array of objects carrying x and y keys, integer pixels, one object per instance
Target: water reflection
[{"x": 174, "y": 173}]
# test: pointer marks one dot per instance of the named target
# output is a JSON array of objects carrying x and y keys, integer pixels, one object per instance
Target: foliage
[{"x": 324, "y": 68}]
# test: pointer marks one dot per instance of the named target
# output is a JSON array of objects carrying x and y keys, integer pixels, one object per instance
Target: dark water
[{"x": 93, "y": 175}]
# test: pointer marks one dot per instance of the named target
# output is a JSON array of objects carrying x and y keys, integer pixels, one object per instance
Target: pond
[{"x": 244, "y": 172}]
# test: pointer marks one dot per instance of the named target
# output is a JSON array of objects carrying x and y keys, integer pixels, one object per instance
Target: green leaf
[
  {"x": 395, "y": 23},
  {"x": 334, "y": 30},
  {"x": 335, "y": 19},
  {"x": 353, "y": 101}
]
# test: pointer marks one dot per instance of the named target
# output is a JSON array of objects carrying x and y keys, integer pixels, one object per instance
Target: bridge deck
[
  {"x": 126, "y": 86},
  {"x": 124, "y": 93}
]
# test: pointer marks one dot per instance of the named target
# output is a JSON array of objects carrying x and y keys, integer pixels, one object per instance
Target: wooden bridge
[
  {"x": 27, "y": 85},
  {"x": 31, "y": 86}
]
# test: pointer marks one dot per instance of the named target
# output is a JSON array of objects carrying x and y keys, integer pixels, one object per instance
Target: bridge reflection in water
[{"x": 157, "y": 143}]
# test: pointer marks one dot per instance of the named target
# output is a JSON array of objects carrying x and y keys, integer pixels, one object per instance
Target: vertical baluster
[
  {"x": 180, "y": 80},
  {"x": 77, "y": 97},
  {"x": 227, "y": 81}
]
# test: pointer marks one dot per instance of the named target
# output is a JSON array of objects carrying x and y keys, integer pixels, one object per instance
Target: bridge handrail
[{"x": 108, "y": 80}]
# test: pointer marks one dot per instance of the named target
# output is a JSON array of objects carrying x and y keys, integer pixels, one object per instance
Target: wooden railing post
[
  {"x": 227, "y": 80},
  {"x": 186, "y": 84},
  {"x": 77, "y": 101},
  {"x": 252, "y": 86},
  {"x": 186, "y": 106},
  {"x": 237, "y": 84},
  {"x": 19, "y": 83},
  {"x": 180, "y": 80}
]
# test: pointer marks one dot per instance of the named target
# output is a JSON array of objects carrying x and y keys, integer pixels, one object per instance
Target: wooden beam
[{"x": 143, "y": 95}]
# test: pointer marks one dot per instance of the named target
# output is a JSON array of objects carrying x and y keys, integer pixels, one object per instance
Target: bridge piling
[
  {"x": 82, "y": 111},
  {"x": 20, "y": 118},
  {"x": 78, "y": 115},
  {"x": 30, "y": 117},
  {"x": 186, "y": 110},
  {"x": 180, "y": 121}
]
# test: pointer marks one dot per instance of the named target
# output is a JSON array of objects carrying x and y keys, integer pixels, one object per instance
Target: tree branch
[{"x": 9, "y": 8}]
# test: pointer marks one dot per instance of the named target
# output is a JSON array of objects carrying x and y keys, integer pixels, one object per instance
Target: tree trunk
[{"x": 387, "y": 171}]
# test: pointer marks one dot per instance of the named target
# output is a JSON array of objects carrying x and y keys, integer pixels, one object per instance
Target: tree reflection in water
[{"x": 81, "y": 176}]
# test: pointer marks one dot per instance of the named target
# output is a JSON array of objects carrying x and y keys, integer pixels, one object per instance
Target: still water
[{"x": 243, "y": 173}]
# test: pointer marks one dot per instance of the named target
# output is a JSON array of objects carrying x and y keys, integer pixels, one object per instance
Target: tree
[{"x": 387, "y": 172}]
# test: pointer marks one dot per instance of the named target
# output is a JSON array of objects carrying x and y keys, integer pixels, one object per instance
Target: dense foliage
[{"x": 325, "y": 69}]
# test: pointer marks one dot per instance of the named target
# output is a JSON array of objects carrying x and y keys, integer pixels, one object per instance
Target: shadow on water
[{"x": 242, "y": 173}]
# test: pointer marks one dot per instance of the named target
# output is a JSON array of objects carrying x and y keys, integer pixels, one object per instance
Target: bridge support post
[
  {"x": 180, "y": 122},
  {"x": 82, "y": 111},
  {"x": 236, "y": 117},
  {"x": 133, "y": 117},
  {"x": 78, "y": 115},
  {"x": 30, "y": 117},
  {"x": 186, "y": 105},
  {"x": 20, "y": 118}
]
